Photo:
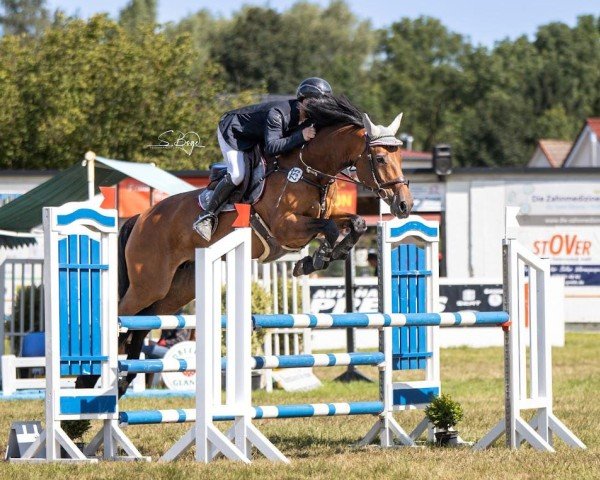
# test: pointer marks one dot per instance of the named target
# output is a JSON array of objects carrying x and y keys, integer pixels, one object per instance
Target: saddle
[{"x": 249, "y": 191}]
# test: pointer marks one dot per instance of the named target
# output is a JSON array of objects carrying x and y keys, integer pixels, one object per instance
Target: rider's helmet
[{"x": 313, "y": 87}]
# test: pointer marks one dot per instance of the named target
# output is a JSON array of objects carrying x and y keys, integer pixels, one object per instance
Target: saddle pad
[{"x": 254, "y": 190}]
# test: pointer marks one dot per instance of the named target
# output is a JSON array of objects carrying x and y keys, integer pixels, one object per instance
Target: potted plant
[
  {"x": 444, "y": 413},
  {"x": 75, "y": 429}
]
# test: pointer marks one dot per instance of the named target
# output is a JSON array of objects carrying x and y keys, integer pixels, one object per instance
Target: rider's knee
[{"x": 237, "y": 176}]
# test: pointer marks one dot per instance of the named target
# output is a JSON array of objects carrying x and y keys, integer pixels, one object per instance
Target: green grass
[{"x": 321, "y": 448}]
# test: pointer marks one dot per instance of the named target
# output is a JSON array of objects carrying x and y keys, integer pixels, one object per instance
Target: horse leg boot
[
  {"x": 322, "y": 255},
  {"x": 207, "y": 221},
  {"x": 357, "y": 226}
]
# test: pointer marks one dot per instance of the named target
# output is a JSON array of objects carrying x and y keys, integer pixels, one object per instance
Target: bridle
[{"x": 380, "y": 185}]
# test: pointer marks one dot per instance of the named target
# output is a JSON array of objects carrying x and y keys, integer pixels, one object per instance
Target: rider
[{"x": 280, "y": 125}]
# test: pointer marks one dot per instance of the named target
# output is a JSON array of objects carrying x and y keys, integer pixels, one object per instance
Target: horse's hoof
[
  {"x": 123, "y": 385},
  {"x": 303, "y": 267}
]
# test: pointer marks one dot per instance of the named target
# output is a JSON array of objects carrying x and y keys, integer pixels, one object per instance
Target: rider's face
[{"x": 301, "y": 109}]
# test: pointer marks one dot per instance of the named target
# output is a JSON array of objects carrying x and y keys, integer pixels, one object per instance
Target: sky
[{"x": 483, "y": 22}]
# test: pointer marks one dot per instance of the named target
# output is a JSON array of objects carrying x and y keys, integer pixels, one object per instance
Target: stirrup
[{"x": 206, "y": 225}]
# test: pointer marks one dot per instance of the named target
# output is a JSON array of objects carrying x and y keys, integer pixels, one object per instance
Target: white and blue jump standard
[
  {"x": 82, "y": 327},
  {"x": 408, "y": 283}
]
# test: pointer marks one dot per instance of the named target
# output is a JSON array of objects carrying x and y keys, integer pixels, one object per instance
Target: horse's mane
[{"x": 332, "y": 110}]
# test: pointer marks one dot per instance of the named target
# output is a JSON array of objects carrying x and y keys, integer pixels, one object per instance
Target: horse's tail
[{"x": 124, "y": 233}]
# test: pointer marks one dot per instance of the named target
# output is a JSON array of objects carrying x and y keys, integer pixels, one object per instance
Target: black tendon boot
[{"x": 207, "y": 221}]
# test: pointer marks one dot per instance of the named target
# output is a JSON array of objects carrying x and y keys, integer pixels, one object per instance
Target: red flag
[
  {"x": 109, "y": 194},
  {"x": 243, "y": 218}
]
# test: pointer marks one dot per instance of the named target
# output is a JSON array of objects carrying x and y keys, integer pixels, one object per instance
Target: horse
[{"x": 156, "y": 249}]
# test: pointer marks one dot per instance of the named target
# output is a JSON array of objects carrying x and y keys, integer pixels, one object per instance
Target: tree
[
  {"x": 23, "y": 17},
  {"x": 91, "y": 86},
  {"x": 329, "y": 42},
  {"x": 263, "y": 49},
  {"x": 496, "y": 123},
  {"x": 138, "y": 14},
  {"x": 522, "y": 91},
  {"x": 418, "y": 72},
  {"x": 250, "y": 50},
  {"x": 204, "y": 31}
]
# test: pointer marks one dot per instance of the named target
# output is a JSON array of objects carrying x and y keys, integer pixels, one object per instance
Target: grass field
[{"x": 321, "y": 448}]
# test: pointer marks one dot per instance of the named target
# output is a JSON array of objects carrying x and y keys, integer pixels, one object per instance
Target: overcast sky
[{"x": 483, "y": 21}]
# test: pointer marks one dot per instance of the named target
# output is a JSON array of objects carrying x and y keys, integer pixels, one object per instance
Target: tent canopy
[{"x": 21, "y": 215}]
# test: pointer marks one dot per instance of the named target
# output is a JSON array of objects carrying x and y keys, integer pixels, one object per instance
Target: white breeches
[{"x": 234, "y": 160}]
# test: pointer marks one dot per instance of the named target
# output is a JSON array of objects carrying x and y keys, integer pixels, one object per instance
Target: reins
[
  {"x": 379, "y": 188},
  {"x": 380, "y": 185}
]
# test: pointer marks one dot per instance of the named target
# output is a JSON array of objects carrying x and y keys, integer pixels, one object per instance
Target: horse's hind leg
[{"x": 181, "y": 292}]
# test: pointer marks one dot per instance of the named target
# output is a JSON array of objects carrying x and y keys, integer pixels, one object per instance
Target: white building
[{"x": 586, "y": 149}]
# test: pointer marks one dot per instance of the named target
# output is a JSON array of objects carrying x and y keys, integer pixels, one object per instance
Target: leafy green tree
[
  {"x": 138, "y": 14},
  {"x": 330, "y": 42},
  {"x": 418, "y": 72},
  {"x": 523, "y": 91},
  {"x": 496, "y": 121},
  {"x": 92, "y": 86},
  {"x": 23, "y": 17},
  {"x": 204, "y": 30},
  {"x": 263, "y": 49},
  {"x": 249, "y": 50}
]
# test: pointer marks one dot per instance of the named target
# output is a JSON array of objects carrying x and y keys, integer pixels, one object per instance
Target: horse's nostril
[{"x": 403, "y": 207}]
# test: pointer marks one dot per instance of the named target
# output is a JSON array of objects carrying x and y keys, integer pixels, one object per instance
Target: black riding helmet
[{"x": 313, "y": 87}]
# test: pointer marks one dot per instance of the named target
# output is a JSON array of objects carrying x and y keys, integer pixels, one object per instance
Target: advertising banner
[{"x": 327, "y": 295}]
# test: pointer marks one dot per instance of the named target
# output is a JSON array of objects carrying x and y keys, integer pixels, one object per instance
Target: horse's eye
[{"x": 380, "y": 159}]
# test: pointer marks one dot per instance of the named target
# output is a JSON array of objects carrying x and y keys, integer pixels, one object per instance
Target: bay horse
[{"x": 156, "y": 271}]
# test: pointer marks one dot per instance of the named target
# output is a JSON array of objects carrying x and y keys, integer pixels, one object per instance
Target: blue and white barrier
[
  {"x": 260, "y": 362},
  {"x": 186, "y": 415},
  {"x": 327, "y": 321},
  {"x": 81, "y": 302}
]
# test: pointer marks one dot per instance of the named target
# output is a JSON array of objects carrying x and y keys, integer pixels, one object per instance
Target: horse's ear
[
  {"x": 369, "y": 127},
  {"x": 395, "y": 125}
]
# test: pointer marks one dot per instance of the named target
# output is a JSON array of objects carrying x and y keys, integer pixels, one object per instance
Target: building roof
[
  {"x": 591, "y": 124},
  {"x": 556, "y": 151},
  {"x": 594, "y": 124},
  {"x": 21, "y": 215},
  {"x": 416, "y": 155}
]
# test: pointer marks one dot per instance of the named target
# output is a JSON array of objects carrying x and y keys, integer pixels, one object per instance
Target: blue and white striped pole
[
  {"x": 322, "y": 320},
  {"x": 263, "y": 362},
  {"x": 184, "y": 415}
]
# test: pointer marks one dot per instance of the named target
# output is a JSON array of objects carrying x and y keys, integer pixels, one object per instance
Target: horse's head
[{"x": 380, "y": 166}]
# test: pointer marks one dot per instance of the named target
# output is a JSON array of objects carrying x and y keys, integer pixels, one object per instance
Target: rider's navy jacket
[{"x": 275, "y": 124}]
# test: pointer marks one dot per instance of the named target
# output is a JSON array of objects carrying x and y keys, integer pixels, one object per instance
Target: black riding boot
[{"x": 207, "y": 221}]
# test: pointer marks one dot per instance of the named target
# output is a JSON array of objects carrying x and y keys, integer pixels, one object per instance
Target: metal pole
[
  {"x": 351, "y": 374},
  {"x": 90, "y": 160}
]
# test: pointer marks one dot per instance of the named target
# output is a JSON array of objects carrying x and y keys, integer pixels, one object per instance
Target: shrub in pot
[{"x": 445, "y": 413}]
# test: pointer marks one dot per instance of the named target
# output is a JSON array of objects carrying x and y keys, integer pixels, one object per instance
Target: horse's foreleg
[
  {"x": 357, "y": 227},
  {"x": 322, "y": 256}
]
